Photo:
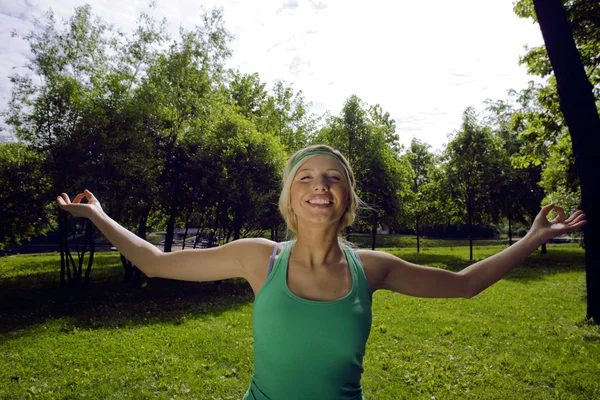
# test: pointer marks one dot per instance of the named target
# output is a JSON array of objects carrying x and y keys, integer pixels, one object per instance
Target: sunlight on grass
[{"x": 523, "y": 338}]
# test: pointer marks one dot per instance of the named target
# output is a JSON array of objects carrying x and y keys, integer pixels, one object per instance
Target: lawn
[{"x": 526, "y": 337}]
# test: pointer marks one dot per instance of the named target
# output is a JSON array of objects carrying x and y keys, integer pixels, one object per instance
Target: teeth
[{"x": 319, "y": 201}]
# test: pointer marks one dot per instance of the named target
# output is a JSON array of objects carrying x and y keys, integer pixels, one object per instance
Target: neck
[{"x": 317, "y": 247}]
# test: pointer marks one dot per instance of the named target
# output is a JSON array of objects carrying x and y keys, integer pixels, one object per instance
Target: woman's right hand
[{"x": 78, "y": 209}]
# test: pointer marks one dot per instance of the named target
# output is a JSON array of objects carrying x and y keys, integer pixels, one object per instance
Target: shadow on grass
[
  {"x": 35, "y": 297},
  {"x": 109, "y": 303},
  {"x": 536, "y": 266}
]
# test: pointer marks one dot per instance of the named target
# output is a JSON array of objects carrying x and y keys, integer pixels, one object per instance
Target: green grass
[
  {"x": 410, "y": 241},
  {"x": 525, "y": 337}
]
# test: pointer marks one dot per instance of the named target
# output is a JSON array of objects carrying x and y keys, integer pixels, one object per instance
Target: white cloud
[{"x": 426, "y": 60}]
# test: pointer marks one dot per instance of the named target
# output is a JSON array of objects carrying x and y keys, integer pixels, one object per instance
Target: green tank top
[{"x": 309, "y": 350}]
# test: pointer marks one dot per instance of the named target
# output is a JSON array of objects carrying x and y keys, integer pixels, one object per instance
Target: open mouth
[{"x": 319, "y": 202}]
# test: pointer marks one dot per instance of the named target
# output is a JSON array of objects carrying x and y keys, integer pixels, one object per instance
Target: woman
[{"x": 312, "y": 309}]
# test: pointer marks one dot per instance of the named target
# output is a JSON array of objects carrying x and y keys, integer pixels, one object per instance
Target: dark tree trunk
[
  {"x": 213, "y": 232},
  {"x": 129, "y": 275},
  {"x": 197, "y": 239},
  {"x": 89, "y": 230},
  {"x": 187, "y": 227},
  {"x": 578, "y": 105},
  {"x": 418, "y": 238},
  {"x": 470, "y": 233},
  {"x": 133, "y": 273},
  {"x": 237, "y": 226},
  {"x": 373, "y": 231},
  {"x": 170, "y": 231},
  {"x": 72, "y": 276},
  {"x": 142, "y": 226},
  {"x": 510, "y": 230},
  {"x": 61, "y": 244}
]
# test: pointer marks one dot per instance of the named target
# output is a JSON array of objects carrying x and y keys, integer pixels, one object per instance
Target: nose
[{"x": 321, "y": 184}]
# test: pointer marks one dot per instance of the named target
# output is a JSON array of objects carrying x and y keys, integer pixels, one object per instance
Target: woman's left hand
[{"x": 546, "y": 230}]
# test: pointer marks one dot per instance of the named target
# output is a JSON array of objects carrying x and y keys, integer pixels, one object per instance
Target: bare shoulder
[
  {"x": 256, "y": 254},
  {"x": 376, "y": 265},
  {"x": 252, "y": 250}
]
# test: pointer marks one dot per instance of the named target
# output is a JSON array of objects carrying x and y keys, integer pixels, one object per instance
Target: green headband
[{"x": 314, "y": 152}]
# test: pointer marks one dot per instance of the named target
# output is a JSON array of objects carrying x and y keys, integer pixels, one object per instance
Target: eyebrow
[{"x": 310, "y": 169}]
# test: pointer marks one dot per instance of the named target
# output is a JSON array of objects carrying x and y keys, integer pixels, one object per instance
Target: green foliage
[
  {"x": 161, "y": 134},
  {"x": 421, "y": 200},
  {"x": 559, "y": 179},
  {"x": 24, "y": 196},
  {"x": 519, "y": 194},
  {"x": 471, "y": 167},
  {"x": 544, "y": 132},
  {"x": 585, "y": 25},
  {"x": 287, "y": 115},
  {"x": 366, "y": 136}
]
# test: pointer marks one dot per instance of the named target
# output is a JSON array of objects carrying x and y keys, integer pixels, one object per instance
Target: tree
[
  {"x": 471, "y": 167},
  {"x": 25, "y": 195},
  {"x": 365, "y": 135},
  {"x": 548, "y": 133},
  {"x": 579, "y": 108},
  {"x": 56, "y": 117},
  {"x": 421, "y": 200},
  {"x": 287, "y": 115},
  {"x": 519, "y": 196},
  {"x": 182, "y": 87}
]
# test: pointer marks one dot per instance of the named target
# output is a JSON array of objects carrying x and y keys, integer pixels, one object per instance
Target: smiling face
[{"x": 319, "y": 191}]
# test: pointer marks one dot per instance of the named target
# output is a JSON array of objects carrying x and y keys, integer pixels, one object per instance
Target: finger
[
  {"x": 580, "y": 217},
  {"x": 573, "y": 216},
  {"x": 89, "y": 195},
  {"x": 561, "y": 214},
  {"x": 573, "y": 227},
  {"x": 546, "y": 209},
  {"x": 78, "y": 198},
  {"x": 66, "y": 198},
  {"x": 60, "y": 201}
]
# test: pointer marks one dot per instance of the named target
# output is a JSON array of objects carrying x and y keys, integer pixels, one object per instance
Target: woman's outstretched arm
[
  {"x": 229, "y": 261},
  {"x": 389, "y": 272}
]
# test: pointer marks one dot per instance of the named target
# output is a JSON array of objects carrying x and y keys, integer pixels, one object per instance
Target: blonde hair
[{"x": 289, "y": 172}]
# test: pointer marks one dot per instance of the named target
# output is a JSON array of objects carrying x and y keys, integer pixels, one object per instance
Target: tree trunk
[
  {"x": 89, "y": 230},
  {"x": 128, "y": 267},
  {"x": 170, "y": 231},
  {"x": 61, "y": 244},
  {"x": 470, "y": 235},
  {"x": 417, "y": 230},
  {"x": 510, "y": 230},
  {"x": 212, "y": 233},
  {"x": 373, "y": 232},
  {"x": 578, "y": 105},
  {"x": 187, "y": 227}
]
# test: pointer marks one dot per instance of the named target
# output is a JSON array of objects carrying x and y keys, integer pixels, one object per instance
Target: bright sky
[{"x": 423, "y": 61}]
